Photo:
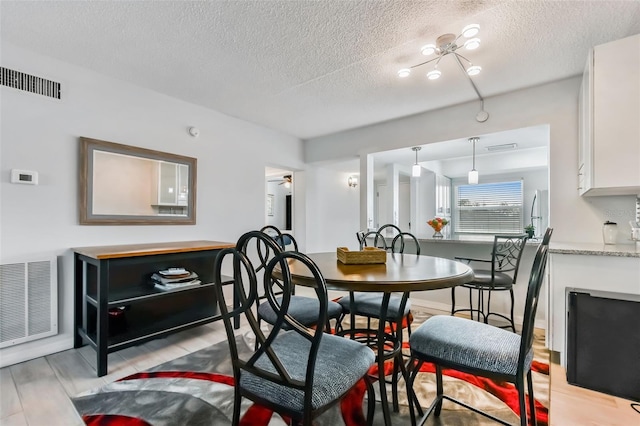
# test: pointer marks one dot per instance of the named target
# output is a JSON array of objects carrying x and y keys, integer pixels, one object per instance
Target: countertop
[
  {"x": 593, "y": 249},
  {"x": 471, "y": 240}
]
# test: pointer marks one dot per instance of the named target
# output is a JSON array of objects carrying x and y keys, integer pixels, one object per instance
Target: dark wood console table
[{"x": 117, "y": 278}]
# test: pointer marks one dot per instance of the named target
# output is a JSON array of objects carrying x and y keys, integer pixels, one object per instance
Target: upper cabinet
[
  {"x": 170, "y": 184},
  {"x": 609, "y": 120},
  {"x": 443, "y": 196}
]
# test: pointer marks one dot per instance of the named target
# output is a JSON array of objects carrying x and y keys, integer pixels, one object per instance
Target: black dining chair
[
  {"x": 369, "y": 304},
  {"x": 500, "y": 276},
  {"x": 296, "y": 371},
  {"x": 480, "y": 349},
  {"x": 302, "y": 308}
]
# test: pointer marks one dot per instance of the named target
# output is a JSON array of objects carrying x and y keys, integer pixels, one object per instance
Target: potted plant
[{"x": 530, "y": 230}]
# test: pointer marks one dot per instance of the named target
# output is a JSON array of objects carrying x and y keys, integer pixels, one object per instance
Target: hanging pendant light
[
  {"x": 415, "y": 170},
  {"x": 473, "y": 173}
]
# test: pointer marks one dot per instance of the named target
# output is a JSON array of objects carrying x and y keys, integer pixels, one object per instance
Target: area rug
[{"x": 197, "y": 389}]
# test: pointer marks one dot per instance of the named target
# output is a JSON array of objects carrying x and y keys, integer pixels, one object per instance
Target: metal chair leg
[
  {"x": 532, "y": 401},
  {"x": 521, "y": 400},
  {"x": 513, "y": 324},
  {"x": 453, "y": 301}
]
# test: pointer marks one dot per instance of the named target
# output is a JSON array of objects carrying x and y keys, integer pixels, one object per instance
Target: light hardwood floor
[
  {"x": 573, "y": 405},
  {"x": 38, "y": 392}
]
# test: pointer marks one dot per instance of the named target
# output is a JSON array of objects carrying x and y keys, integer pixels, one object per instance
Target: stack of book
[{"x": 174, "y": 278}]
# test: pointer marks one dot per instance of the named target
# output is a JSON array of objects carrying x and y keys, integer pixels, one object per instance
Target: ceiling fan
[{"x": 286, "y": 180}]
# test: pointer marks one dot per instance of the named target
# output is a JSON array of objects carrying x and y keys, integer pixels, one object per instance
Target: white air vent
[
  {"x": 29, "y": 83},
  {"x": 28, "y": 301}
]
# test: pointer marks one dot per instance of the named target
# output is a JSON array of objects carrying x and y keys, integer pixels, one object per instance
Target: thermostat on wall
[{"x": 24, "y": 176}]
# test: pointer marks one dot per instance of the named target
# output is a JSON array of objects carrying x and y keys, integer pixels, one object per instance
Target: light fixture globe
[
  {"x": 428, "y": 49},
  {"x": 404, "y": 72},
  {"x": 474, "y": 70},
  {"x": 470, "y": 30},
  {"x": 473, "y": 177},
  {"x": 472, "y": 44},
  {"x": 434, "y": 74}
]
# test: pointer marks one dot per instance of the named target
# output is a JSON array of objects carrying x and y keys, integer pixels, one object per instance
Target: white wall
[
  {"x": 575, "y": 218},
  {"x": 332, "y": 214},
  {"x": 41, "y": 134}
]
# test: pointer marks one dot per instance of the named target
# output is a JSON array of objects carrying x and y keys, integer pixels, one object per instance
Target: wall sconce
[{"x": 353, "y": 181}]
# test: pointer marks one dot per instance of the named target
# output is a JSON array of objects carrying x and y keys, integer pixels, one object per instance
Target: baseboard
[{"x": 31, "y": 350}]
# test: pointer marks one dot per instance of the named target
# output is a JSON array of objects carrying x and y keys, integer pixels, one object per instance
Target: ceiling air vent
[{"x": 29, "y": 83}]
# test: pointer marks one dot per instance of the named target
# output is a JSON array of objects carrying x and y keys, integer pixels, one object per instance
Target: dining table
[{"x": 400, "y": 273}]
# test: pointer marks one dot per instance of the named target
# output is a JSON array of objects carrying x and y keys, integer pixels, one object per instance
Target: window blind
[{"x": 489, "y": 208}]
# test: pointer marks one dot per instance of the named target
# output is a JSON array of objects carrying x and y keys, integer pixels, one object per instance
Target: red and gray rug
[{"x": 197, "y": 389}]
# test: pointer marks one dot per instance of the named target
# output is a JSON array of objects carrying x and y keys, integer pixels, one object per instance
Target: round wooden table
[{"x": 402, "y": 273}]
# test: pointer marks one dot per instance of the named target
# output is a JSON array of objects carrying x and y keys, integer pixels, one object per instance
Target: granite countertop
[
  {"x": 594, "y": 249},
  {"x": 472, "y": 240}
]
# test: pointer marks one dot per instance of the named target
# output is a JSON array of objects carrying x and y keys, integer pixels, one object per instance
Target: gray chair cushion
[
  {"x": 340, "y": 364},
  {"x": 468, "y": 343},
  {"x": 369, "y": 304},
  {"x": 303, "y": 309},
  {"x": 482, "y": 278}
]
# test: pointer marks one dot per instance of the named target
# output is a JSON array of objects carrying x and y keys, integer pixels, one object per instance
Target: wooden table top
[
  {"x": 134, "y": 250},
  {"x": 402, "y": 272}
]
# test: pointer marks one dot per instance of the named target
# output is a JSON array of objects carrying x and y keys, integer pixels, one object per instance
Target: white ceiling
[{"x": 310, "y": 68}]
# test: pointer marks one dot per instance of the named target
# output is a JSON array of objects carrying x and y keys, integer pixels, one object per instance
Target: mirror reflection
[{"x": 129, "y": 185}]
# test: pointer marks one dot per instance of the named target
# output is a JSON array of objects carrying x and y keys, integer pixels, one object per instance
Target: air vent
[
  {"x": 503, "y": 147},
  {"x": 29, "y": 83},
  {"x": 28, "y": 301}
]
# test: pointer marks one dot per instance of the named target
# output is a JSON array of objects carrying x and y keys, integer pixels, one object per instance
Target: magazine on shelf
[
  {"x": 167, "y": 287},
  {"x": 185, "y": 278}
]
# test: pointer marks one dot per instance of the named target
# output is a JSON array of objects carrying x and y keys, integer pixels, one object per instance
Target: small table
[{"x": 401, "y": 273}]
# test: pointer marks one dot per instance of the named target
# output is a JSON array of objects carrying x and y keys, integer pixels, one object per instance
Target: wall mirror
[{"x": 127, "y": 185}]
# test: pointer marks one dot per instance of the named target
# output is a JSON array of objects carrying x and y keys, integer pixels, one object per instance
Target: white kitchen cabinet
[
  {"x": 430, "y": 196},
  {"x": 609, "y": 113},
  {"x": 443, "y": 196},
  {"x": 437, "y": 190},
  {"x": 170, "y": 184}
]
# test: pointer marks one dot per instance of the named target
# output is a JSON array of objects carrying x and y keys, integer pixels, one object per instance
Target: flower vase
[{"x": 437, "y": 235}]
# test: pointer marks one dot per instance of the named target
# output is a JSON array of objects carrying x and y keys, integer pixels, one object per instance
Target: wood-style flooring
[{"x": 38, "y": 392}]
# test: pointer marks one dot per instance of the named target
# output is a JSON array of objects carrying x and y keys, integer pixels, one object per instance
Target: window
[{"x": 489, "y": 208}]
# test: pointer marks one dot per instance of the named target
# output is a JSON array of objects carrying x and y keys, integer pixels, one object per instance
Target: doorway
[{"x": 279, "y": 198}]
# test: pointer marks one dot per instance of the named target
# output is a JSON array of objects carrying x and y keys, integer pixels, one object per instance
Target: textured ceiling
[{"x": 310, "y": 68}]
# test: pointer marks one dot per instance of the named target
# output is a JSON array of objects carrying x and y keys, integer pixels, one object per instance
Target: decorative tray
[{"x": 368, "y": 255}]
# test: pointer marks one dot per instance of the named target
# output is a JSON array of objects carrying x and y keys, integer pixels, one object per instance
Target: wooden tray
[{"x": 368, "y": 255}]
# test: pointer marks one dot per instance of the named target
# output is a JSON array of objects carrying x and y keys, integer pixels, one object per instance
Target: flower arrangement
[{"x": 437, "y": 223}]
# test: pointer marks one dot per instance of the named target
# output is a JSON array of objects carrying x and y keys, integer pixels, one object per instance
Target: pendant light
[
  {"x": 473, "y": 173},
  {"x": 415, "y": 170}
]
